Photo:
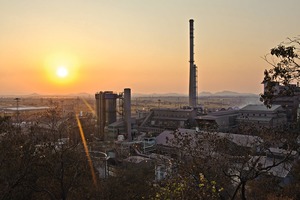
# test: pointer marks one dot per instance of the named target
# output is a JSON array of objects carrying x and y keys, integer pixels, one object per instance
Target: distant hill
[
  {"x": 205, "y": 94},
  {"x": 202, "y": 94},
  {"x": 230, "y": 93},
  {"x": 84, "y": 94},
  {"x": 226, "y": 93},
  {"x": 81, "y": 94},
  {"x": 32, "y": 95},
  {"x": 158, "y": 95}
]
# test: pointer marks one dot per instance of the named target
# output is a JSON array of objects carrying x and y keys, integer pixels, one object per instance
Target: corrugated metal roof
[
  {"x": 169, "y": 118},
  {"x": 261, "y": 107},
  {"x": 265, "y": 119},
  {"x": 208, "y": 117},
  {"x": 239, "y": 139}
]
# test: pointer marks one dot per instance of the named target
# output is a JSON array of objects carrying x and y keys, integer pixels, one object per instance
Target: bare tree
[{"x": 41, "y": 162}]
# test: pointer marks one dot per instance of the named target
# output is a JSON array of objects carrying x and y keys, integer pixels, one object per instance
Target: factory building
[
  {"x": 261, "y": 116},
  {"x": 289, "y": 102},
  {"x": 106, "y": 111},
  {"x": 224, "y": 120},
  {"x": 162, "y": 119}
]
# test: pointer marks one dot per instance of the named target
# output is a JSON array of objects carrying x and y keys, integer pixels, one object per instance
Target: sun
[
  {"x": 62, "y": 72},
  {"x": 61, "y": 69}
]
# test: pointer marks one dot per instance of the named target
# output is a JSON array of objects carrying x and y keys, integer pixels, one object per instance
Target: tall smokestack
[
  {"x": 193, "y": 70},
  {"x": 127, "y": 112}
]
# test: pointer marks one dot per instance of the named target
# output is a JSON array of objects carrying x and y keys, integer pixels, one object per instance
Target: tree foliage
[
  {"x": 188, "y": 187},
  {"x": 285, "y": 62},
  {"x": 35, "y": 164},
  {"x": 233, "y": 167}
]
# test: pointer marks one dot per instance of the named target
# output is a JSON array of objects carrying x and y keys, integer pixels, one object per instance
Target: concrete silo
[{"x": 106, "y": 110}]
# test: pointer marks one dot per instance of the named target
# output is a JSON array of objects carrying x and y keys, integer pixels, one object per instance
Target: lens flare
[
  {"x": 89, "y": 106},
  {"x": 86, "y": 150}
]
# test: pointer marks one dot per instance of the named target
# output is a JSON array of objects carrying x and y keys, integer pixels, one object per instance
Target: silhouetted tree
[
  {"x": 232, "y": 167},
  {"x": 130, "y": 182},
  {"x": 40, "y": 162},
  {"x": 285, "y": 62}
]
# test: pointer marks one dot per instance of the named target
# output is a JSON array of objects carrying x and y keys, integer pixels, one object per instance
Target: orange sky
[{"x": 144, "y": 45}]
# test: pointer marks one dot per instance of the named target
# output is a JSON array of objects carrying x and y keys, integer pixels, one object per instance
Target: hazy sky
[{"x": 144, "y": 45}]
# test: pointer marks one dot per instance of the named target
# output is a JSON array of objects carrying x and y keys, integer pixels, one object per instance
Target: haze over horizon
[
  {"x": 55, "y": 47},
  {"x": 134, "y": 94}
]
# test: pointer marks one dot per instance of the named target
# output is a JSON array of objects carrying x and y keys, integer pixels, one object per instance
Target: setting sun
[
  {"x": 62, "y": 72},
  {"x": 61, "y": 69}
]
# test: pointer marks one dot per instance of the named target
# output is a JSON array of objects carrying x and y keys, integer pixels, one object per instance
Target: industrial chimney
[
  {"x": 127, "y": 112},
  {"x": 193, "y": 70}
]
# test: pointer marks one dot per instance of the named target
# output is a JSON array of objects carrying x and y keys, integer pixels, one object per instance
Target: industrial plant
[
  {"x": 118, "y": 133},
  {"x": 139, "y": 138},
  {"x": 112, "y": 121},
  {"x": 107, "y": 113}
]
